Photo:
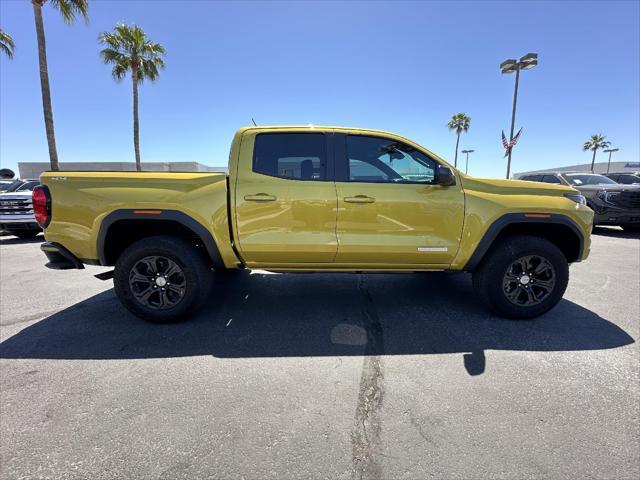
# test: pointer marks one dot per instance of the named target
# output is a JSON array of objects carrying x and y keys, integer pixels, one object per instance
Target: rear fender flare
[{"x": 169, "y": 215}]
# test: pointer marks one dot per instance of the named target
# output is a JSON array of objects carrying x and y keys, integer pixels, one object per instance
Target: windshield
[
  {"x": 13, "y": 186},
  {"x": 5, "y": 184},
  {"x": 27, "y": 186},
  {"x": 588, "y": 179},
  {"x": 22, "y": 186}
]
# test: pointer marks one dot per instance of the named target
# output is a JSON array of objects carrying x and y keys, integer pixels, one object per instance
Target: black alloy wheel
[
  {"x": 163, "y": 278},
  {"x": 157, "y": 282},
  {"x": 529, "y": 280},
  {"x": 522, "y": 276}
]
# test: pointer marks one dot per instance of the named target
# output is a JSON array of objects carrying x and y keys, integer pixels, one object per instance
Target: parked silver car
[{"x": 16, "y": 210}]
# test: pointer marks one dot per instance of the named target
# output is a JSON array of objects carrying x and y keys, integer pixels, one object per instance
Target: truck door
[
  {"x": 285, "y": 199},
  {"x": 390, "y": 210}
]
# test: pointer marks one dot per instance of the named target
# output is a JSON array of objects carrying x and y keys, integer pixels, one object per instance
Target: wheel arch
[
  {"x": 121, "y": 228},
  {"x": 558, "y": 229}
]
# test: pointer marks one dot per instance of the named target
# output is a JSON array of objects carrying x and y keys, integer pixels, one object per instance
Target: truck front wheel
[
  {"x": 162, "y": 279},
  {"x": 522, "y": 277}
]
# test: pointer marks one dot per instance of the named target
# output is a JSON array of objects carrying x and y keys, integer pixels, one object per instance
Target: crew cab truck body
[{"x": 314, "y": 199}]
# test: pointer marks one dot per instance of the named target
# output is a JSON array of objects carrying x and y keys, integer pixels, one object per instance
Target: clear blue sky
[{"x": 404, "y": 67}]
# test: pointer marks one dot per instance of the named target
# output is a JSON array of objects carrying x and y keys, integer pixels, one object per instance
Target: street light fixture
[
  {"x": 526, "y": 62},
  {"x": 467, "y": 152},
  {"x": 610, "y": 150}
]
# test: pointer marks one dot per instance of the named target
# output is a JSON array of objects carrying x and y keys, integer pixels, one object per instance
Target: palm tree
[
  {"x": 593, "y": 144},
  {"x": 460, "y": 123},
  {"x": 129, "y": 49},
  {"x": 6, "y": 44},
  {"x": 69, "y": 9}
]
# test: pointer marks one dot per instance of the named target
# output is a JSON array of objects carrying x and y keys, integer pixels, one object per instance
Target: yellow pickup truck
[{"x": 322, "y": 199}]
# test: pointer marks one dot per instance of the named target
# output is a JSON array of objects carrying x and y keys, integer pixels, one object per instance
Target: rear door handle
[
  {"x": 260, "y": 197},
  {"x": 359, "y": 199}
]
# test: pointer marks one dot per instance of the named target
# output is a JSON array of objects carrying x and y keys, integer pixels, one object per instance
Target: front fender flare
[{"x": 514, "y": 218}]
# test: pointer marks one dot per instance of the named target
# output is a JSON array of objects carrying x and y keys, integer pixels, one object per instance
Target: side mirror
[{"x": 445, "y": 177}]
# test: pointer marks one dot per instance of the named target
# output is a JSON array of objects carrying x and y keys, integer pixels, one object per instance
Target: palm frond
[
  {"x": 6, "y": 44},
  {"x": 71, "y": 9},
  {"x": 119, "y": 71},
  {"x": 109, "y": 55}
]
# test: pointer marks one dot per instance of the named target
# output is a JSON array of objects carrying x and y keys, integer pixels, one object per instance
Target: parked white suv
[{"x": 16, "y": 210}]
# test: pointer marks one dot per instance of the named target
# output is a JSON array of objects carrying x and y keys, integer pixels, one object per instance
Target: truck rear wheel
[
  {"x": 522, "y": 277},
  {"x": 162, "y": 279}
]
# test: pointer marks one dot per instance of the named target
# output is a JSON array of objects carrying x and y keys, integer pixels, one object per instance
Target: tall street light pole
[
  {"x": 610, "y": 150},
  {"x": 526, "y": 62},
  {"x": 467, "y": 152}
]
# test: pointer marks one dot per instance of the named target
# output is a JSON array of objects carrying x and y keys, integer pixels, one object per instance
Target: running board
[{"x": 104, "y": 275}]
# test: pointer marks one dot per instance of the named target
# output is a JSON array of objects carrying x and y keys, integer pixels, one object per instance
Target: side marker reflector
[
  {"x": 148, "y": 212},
  {"x": 537, "y": 215}
]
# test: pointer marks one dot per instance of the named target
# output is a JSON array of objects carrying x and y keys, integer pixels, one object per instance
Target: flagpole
[{"x": 513, "y": 117}]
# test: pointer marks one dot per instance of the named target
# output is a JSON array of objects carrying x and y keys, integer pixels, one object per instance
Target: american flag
[{"x": 509, "y": 145}]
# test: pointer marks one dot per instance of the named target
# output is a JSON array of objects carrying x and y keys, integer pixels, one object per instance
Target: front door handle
[
  {"x": 260, "y": 197},
  {"x": 359, "y": 199}
]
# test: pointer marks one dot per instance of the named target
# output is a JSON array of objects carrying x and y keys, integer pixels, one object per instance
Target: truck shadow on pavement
[
  {"x": 614, "y": 232},
  {"x": 256, "y": 315},
  {"x": 11, "y": 240}
]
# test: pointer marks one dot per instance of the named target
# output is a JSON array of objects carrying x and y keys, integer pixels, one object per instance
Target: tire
[
  {"x": 501, "y": 275},
  {"x": 631, "y": 228},
  {"x": 26, "y": 234},
  {"x": 139, "y": 287}
]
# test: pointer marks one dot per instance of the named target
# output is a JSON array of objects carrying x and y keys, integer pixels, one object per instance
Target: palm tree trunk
[
  {"x": 593, "y": 160},
  {"x": 136, "y": 128},
  {"x": 44, "y": 84},
  {"x": 455, "y": 162}
]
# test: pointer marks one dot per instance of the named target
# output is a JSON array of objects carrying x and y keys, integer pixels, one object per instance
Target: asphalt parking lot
[{"x": 320, "y": 376}]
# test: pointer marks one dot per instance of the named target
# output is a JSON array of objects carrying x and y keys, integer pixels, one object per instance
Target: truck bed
[{"x": 81, "y": 200}]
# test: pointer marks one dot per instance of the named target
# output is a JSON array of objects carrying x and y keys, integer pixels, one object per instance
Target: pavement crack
[
  {"x": 420, "y": 430},
  {"x": 366, "y": 433}
]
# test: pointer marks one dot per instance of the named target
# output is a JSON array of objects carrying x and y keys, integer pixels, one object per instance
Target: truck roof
[
  {"x": 352, "y": 130},
  {"x": 320, "y": 128}
]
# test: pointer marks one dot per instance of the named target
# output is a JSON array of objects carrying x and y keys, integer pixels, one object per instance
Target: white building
[
  {"x": 599, "y": 167},
  {"x": 34, "y": 169}
]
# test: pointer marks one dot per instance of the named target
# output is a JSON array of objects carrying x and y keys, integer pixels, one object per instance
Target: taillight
[{"x": 42, "y": 205}]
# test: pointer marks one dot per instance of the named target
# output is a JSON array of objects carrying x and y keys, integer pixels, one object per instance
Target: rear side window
[
  {"x": 532, "y": 178},
  {"x": 550, "y": 179},
  {"x": 296, "y": 156}
]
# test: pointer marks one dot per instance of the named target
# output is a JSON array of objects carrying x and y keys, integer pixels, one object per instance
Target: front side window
[
  {"x": 628, "y": 179},
  {"x": 296, "y": 156},
  {"x": 382, "y": 160}
]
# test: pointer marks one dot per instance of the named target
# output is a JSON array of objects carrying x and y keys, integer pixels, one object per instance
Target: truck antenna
[{"x": 254, "y": 122}]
